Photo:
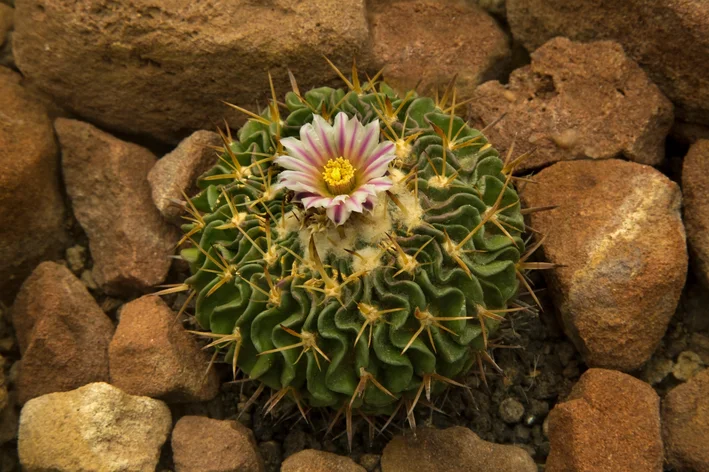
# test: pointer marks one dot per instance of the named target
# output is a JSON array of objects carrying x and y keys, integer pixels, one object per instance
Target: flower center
[{"x": 339, "y": 176}]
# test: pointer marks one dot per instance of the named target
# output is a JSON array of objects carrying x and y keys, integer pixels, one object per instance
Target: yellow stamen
[{"x": 339, "y": 176}]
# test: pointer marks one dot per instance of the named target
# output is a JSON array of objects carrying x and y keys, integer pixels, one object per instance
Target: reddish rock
[
  {"x": 152, "y": 355},
  {"x": 201, "y": 444},
  {"x": 311, "y": 460},
  {"x": 62, "y": 333},
  {"x": 685, "y": 425},
  {"x": 177, "y": 171},
  {"x": 31, "y": 203},
  {"x": 576, "y": 101},
  {"x": 455, "y": 448},
  {"x": 609, "y": 423},
  {"x": 107, "y": 180},
  {"x": 431, "y": 42},
  {"x": 695, "y": 188},
  {"x": 669, "y": 38},
  {"x": 617, "y": 232}
]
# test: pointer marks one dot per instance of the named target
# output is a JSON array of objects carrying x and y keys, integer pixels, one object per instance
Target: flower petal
[
  {"x": 338, "y": 213},
  {"x": 295, "y": 148},
  {"x": 296, "y": 164}
]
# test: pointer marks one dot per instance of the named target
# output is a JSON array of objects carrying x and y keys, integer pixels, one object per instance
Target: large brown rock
[
  {"x": 107, "y": 180},
  {"x": 609, "y": 423},
  {"x": 163, "y": 68},
  {"x": 695, "y": 189},
  {"x": 576, "y": 101},
  {"x": 617, "y": 232},
  {"x": 455, "y": 448},
  {"x": 201, "y": 444},
  {"x": 311, "y": 460},
  {"x": 685, "y": 425},
  {"x": 151, "y": 354},
  {"x": 427, "y": 43},
  {"x": 6, "y": 22},
  {"x": 31, "y": 204},
  {"x": 62, "y": 333},
  {"x": 668, "y": 38}
]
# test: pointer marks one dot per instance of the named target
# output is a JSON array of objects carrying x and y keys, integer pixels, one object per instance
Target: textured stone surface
[
  {"x": 695, "y": 188},
  {"x": 107, "y": 181},
  {"x": 311, "y": 460},
  {"x": 685, "y": 425},
  {"x": 6, "y": 22},
  {"x": 455, "y": 448},
  {"x": 163, "y": 68},
  {"x": 94, "y": 428},
  {"x": 62, "y": 333},
  {"x": 151, "y": 354},
  {"x": 609, "y": 423},
  {"x": 177, "y": 171},
  {"x": 201, "y": 444},
  {"x": 669, "y": 38},
  {"x": 432, "y": 41},
  {"x": 31, "y": 204},
  {"x": 617, "y": 231},
  {"x": 576, "y": 101}
]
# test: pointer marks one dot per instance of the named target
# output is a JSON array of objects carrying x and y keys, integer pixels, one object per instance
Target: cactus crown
[{"x": 365, "y": 312}]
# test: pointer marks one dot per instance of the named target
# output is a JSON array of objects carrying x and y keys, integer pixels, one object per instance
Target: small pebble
[
  {"x": 511, "y": 411},
  {"x": 272, "y": 455},
  {"x": 688, "y": 364},
  {"x": 88, "y": 279},
  {"x": 522, "y": 433},
  {"x": 370, "y": 461},
  {"x": 76, "y": 258}
]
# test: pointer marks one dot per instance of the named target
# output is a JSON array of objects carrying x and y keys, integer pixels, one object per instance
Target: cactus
[{"x": 356, "y": 251}]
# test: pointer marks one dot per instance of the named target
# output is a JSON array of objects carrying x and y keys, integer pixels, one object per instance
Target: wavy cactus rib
[{"x": 370, "y": 312}]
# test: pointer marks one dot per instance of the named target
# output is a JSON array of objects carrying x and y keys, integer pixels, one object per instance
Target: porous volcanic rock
[
  {"x": 311, "y": 460},
  {"x": 576, "y": 101},
  {"x": 617, "y": 232},
  {"x": 695, "y": 189}
]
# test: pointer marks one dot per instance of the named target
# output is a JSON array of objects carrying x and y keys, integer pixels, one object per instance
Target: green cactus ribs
[{"x": 355, "y": 251}]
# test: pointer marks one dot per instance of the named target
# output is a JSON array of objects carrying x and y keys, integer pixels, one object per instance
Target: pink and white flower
[{"x": 339, "y": 167}]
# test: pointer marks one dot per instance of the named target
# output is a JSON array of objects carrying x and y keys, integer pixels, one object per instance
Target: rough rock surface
[
  {"x": 152, "y": 355},
  {"x": 177, "y": 171},
  {"x": 94, "y": 428},
  {"x": 311, "y": 460},
  {"x": 202, "y": 444},
  {"x": 618, "y": 233},
  {"x": 669, "y": 38},
  {"x": 163, "y": 68},
  {"x": 609, "y": 423},
  {"x": 31, "y": 203},
  {"x": 107, "y": 180},
  {"x": 576, "y": 101},
  {"x": 431, "y": 42},
  {"x": 6, "y": 22},
  {"x": 695, "y": 188},
  {"x": 685, "y": 424},
  {"x": 62, "y": 333},
  {"x": 455, "y": 448}
]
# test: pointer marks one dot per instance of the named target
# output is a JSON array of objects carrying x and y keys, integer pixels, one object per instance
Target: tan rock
[
  {"x": 432, "y": 41},
  {"x": 617, "y": 231},
  {"x": 6, "y": 22},
  {"x": 201, "y": 444},
  {"x": 685, "y": 425},
  {"x": 695, "y": 188},
  {"x": 31, "y": 203},
  {"x": 576, "y": 101},
  {"x": 62, "y": 333},
  {"x": 176, "y": 173},
  {"x": 669, "y": 38},
  {"x": 164, "y": 68},
  {"x": 152, "y": 355},
  {"x": 107, "y": 181},
  {"x": 455, "y": 448},
  {"x": 609, "y": 423},
  {"x": 94, "y": 428},
  {"x": 311, "y": 460}
]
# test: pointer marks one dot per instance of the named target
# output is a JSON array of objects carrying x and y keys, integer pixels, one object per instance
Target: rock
[
  {"x": 31, "y": 203},
  {"x": 76, "y": 258},
  {"x": 668, "y": 38},
  {"x": 6, "y": 22},
  {"x": 511, "y": 411},
  {"x": 496, "y": 7},
  {"x": 591, "y": 429},
  {"x": 163, "y": 69},
  {"x": 688, "y": 365},
  {"x": 657, "y": 369},
  {"x": 576, "y": 101},
  {"x": 695, "y": 185},
  {"x": 95, "y": 427},
  {"x": 455, "y": 448},
  {"x": 370, "y": 461},
  {"x": 106, "y": 179},
  {"x": 152, "y": 355},
  {"x": 272, "y": 455},
  {"x": 176, "y": 173},
  {"x": 431, "y": 42},
  {"x": 618, "y": 234},
  {"x": 685, "y": 425},
  {"x": 311, "y": 460},
  {"x": 62, "y": 333}
]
